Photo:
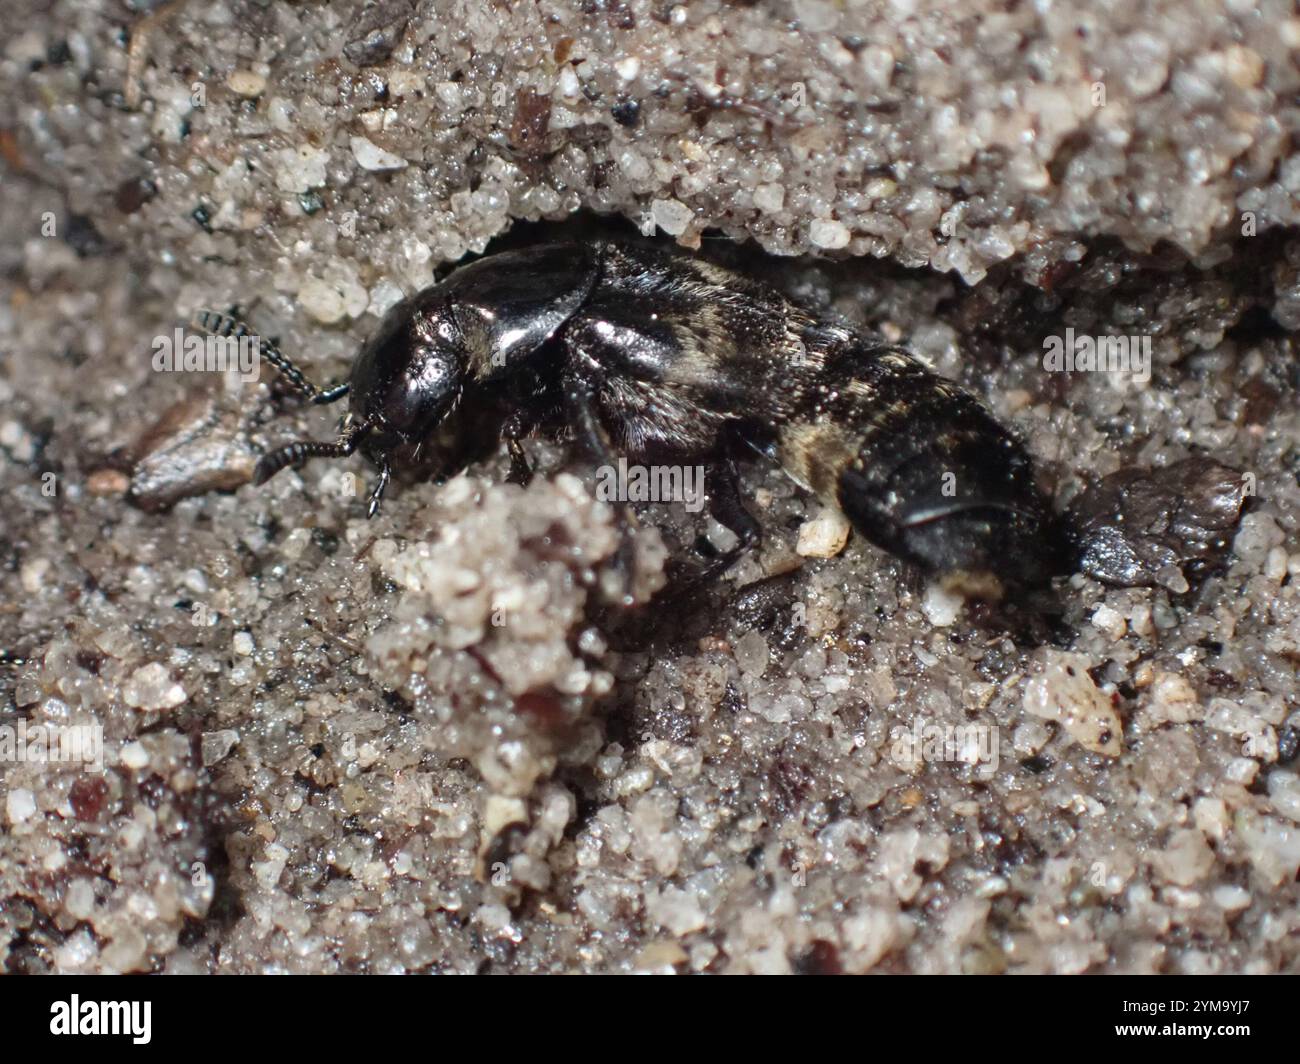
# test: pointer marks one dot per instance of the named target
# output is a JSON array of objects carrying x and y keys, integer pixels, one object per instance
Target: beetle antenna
[
  {"x": 216, "y": 324},
  {"x": 296, "y": 453}
]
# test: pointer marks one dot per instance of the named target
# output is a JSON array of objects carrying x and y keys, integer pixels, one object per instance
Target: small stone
[
  {"x": 1143, "y": 528},
  {"x": 660, "y": 956},
  {"x": 499, "y": 812},
  {"x": 1173, "y": 699},
  {"x": 246, "y": 83},
  {"x": 134, "y": 193},
  {"x": 824, "y": 536},
  {"x": 299, "y": 169},
  {"x": 1243, "y": 67},
  {"x": 1272, "y": 847},
  {"x": 751, "y": 653},
  {"x": 79, "y": 900},
  {"x": 881, "y": 187},
  {"x": 1275, "y": 566},
  {"x": 76, "y": 954},
  {"x": 626, "y": 112},
  {"x": 105, "y": 482},
  {"x": 295, "y": 543},
  {"x": 383, "y": 297},
  {"x": 635, "y": 168},
  {"x": 1231, "y": 898},
  {"x": 375, "y": 31},
  {"x": 940, "y": 606},
  {"x": 769, "y": 198},
  {"x": 151, "y": 689},
  {"x": 1110, "y": 621},
  {"x": 370, "y": 156},
  {"x": 322, "y": 300},
  {"x": 1186, "y": 860},
  {"x": 1064, "y": 692},
  {"x": 268, "y": 872},
  {"x": 20, "y": 805},
  {"x": 1211, "y": 816},
  {"x": 569, "y": 85},
  {"x": 194, "y": 447},
  {"x": 134, "y": 756},
  {"x": 829, "y": 234},
  {"x": 1284, "y": 792},
  {"x": 405, "y": 82},
  {"x": 677, "y": 911},
  {"x": 32, "y": 575},
  {"x": 379, "y": 119},
  {"x": 216, "y": 745},
  {"x": 672, "y": 216},
  {"x": 126, "y": 953},
  {"x": 449, "y": 94}
]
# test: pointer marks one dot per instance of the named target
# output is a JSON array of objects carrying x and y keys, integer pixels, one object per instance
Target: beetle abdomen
[{"x": 921, "y": 469}]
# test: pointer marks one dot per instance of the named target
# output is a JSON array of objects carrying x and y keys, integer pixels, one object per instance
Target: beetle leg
[
  {"x": 521, "y": 470},
  {"x": 727, "y": 508},
  {"x": 377, "y": 492},
  {"x": 518, "y": 425},
  {"x": 580, "y": 401}
]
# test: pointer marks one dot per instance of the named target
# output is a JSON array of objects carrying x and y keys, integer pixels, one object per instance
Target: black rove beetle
[{"x": 665, "y": 358}]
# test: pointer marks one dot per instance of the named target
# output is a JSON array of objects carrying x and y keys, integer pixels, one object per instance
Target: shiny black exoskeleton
[{"x": 664, "y": 358}]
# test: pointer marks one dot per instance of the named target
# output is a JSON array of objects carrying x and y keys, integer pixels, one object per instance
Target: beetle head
[{"x": 409, "y": 375}]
